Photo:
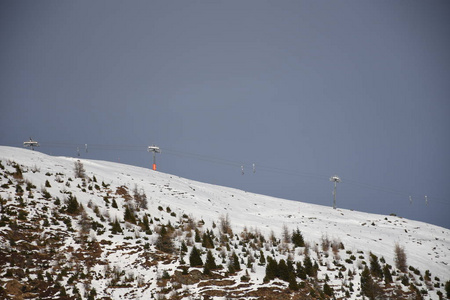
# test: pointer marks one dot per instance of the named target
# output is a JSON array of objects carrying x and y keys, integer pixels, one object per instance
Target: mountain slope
[{"x": 80, "y": 253}]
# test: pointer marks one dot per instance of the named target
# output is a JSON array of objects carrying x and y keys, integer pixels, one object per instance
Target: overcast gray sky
[{"x": 303, "y": 89}]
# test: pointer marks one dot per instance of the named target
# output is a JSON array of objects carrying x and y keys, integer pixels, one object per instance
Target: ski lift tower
[
  {"x": 155, "y": 150},
  {"x": 31, "y": 144},
  {"x": 335, "y": 179}
]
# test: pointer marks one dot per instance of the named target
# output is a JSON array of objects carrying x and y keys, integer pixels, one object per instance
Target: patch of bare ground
[
  {"x": 272, "y": 293},
  {"x": 13, "y": 289},
  {"x": 214, "y": 293},
  {"x": 192, "y": 277},
  {"x": 123, "y": 191},
  {"x": 219, "y": 282}
]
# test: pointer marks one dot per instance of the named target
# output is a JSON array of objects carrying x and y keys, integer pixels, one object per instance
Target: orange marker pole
[{"x": 154, "y": 167}]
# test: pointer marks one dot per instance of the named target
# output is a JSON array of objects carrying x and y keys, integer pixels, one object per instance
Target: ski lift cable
[
  {"x": 223, "y": 161},
  {"x": 296, "y": 173}
]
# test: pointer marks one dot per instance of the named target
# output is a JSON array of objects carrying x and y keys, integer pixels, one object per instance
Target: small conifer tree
[
  {"x": 297, "y": 238},
  {"x": 366, "y": 283},
  {"x": 369, "y": 287},
  {"x": 146, "y": 225},
  {"x": 72, "y": 205},
  {"x": 210, "y": 263},
  {"x": 116, "y": 227},
  {"x": 447, "y": 289},
  {"x": 387, "y": 274},
  {"x": 283, "y": 271},
  {"x": 309, "y": 269},
  {"x": 301, "y": 273},
  {"x": 194, "y": 258},
  {"x": 375, "y": 267},
  {"x": 207, "y": 241},
  {"x": 293, "y": 285},
  {"x": 164, "y": 242},
  {"x": 129, "y": 215},
  {"x": 184, "y": 248},
  {"x": 235, "y": 262},
  {"x": 197, "y": 237},
  {"x": 262, "y": 259},
  {"x": 328, "y": 290},
  {"x": 271, "y": 269}
]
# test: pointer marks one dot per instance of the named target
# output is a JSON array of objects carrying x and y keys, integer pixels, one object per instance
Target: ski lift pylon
[{"x": 31, "y": 144}]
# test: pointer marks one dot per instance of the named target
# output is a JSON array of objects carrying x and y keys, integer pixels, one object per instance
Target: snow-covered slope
[{"x": 427, "y": 246}]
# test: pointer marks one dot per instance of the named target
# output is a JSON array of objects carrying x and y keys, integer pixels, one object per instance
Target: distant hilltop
[{"x": 74, "y": 228}]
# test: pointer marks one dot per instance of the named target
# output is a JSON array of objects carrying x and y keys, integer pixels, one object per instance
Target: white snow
[{"x": 427, "y": 246}]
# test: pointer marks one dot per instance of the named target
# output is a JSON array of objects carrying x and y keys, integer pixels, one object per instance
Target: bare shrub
[
  {"x": 325, "y": 243},
  {"x": 335, "y": 246},
  {"x": 191, "y": 224},
  {"x": 400, "y": 258},
  {"x": 225, "y": 225},
  {"x": 79, "y": 170},
  {"x": 273, "y": 238},
  {"x": 245, "y": 234},
  {"x": 283, "y": 248},
  {"x": 307, "y": 248},
  {"x": 285, "y": 234},
  {"x": 140, "y": 198}
]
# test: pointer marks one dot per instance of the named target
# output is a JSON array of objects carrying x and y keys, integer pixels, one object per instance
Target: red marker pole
[{"x": 155, "y": 150}]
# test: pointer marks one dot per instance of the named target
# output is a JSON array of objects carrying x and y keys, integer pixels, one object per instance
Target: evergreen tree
[
  {"x": 206, "y": 270},
  {"x": 309, "y": 269},
  {"x": 235, "y": 262},
  {"x": 301, "y": 273},
  {"x": 116, "y": 227},
  {"x": 283, "y": 271},
  {"x": 114, "y": 203},
  {"x": 387, "y": 274},
  {"x": 262, "y": 259},
  {"x": 231, "y": 269},
  {"x": 369, "y": 287},
  {"x": 315, "y": 269},
  {"x": 207, "y": 241},
  {"x": 129, "y": 215},
  {"x": 72, "y": 205},
  {"x": 447, "y": 289},
  {"x": 271, "y": 269},
  {"x": 375, "y": 267},
  {"x": 92, "y": 294},
  {"x": 146, "y": 225},
  {"x": 297, "y": 238},
  {"x": 194, "y": 258},
  {"x": 210, "y": 263},
  {"x": 293, "y": 285},
  {"x": 197, "y": 238},
  {"x": 164, "y": 242},
  {"x": 184, "y": 248},
  {"x": 290, "y": 266},
  {"x": 328, "y": 290}
]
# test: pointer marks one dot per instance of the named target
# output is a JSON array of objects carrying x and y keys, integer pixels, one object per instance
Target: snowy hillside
[{"x": 77, "y": 253}]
